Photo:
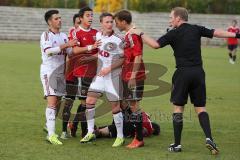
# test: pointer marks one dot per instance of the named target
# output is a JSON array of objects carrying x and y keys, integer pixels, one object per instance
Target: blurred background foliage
[{"x": 194, "y": 6}]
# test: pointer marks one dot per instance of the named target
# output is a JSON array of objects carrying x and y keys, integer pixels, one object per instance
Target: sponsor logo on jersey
[{"x": 110, "y": 46}]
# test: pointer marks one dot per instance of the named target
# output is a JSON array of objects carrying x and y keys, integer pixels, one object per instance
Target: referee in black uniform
[{"x": 189, "y": 77}]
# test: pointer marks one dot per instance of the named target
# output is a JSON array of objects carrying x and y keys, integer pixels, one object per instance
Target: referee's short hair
[
  {"x": 124, "y": 15},
  {"x": 181, "y": 12}
]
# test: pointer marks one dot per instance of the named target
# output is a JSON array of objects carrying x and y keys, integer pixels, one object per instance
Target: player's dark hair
[
  {"x": 124, "y": 15},
  {"x": 49, "y": 14},
  {"x": 105, "y": 14},
  {"x": 234, "y": 21},
  {"x": 75, "y": 16},
  {"x": 83, "y": 10},
  {"x": 156, "y": 128},
  {"x": 181, "y": 12}
]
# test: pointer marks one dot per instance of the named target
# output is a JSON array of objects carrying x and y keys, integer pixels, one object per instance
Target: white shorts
[
  {"x": 112, "y": 86},
  {"x": 53, "y": 84}
]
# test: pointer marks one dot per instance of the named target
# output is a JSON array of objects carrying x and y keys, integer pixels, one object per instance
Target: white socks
[
  {"x": 90, "y": 113},
  {"x": 118, "y": 120},
  {"x": 50, "y": 117}
]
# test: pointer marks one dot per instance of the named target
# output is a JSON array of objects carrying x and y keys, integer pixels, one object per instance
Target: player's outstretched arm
[
  {"x": 147, "y": 39},
  {"x": 225, "y": 34},
  {"x": 56, "y": 50}
]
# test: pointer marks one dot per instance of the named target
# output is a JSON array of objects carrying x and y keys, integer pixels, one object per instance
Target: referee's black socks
[
  {"x": 205, "y": 124},
  {"x": 177, "y": 127}
]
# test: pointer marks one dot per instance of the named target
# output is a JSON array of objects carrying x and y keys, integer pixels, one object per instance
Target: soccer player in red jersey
[
  {"x": 68, "y": 100},
  {"x": 83, "y": 71},
  {"x": 133, "y": 73},
  {"x": 233, "y": 42}
]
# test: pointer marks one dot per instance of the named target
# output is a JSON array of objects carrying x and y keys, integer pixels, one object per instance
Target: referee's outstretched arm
[
  {"x": 224, "y": 34},
  {"x": 155, "y": 44},
  {"x": 147, "y": 39}
]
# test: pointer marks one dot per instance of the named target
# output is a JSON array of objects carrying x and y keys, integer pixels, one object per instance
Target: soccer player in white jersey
[
  {"x": 108, "y": 78},
  {"x": 54, "y": 47}
]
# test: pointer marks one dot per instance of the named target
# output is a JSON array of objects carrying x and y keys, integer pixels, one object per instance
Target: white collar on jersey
[
  {"x": 107, "y": 35},
  {"x": 86, "y": 30},
  {"x": 54, "y": 32}
]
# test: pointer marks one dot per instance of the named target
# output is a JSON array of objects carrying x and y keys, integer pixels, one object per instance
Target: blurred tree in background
[
  {"x": 108, "y": 5},
  {"x": 195, "y": 6}
]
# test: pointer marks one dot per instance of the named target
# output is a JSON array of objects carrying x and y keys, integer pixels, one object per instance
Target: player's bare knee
[
  {"x": 178, "y": 108},
  {"x": 198, "y": 110},
  {"x": 115, "y": 107},
  {"x": 52, "y": 101},
  {"x": 91, "y": 100}
]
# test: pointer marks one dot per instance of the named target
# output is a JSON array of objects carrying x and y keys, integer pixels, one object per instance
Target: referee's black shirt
[{"x": 186, "y": 43}]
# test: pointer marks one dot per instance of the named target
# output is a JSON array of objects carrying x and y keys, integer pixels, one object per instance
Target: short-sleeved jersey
[
  {"x": 185, "y": 41},
  {"x": 85, "y": 38},
  {"x": 133, "y": 46},
  {"x": 110, "y": 51},
  {"x": 233, "y": 41},
  {"x": 53, "y": 62}
]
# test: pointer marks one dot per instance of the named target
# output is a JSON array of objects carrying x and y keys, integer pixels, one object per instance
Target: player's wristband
[
  {"x": 141, "y": 34},
  {"x": 237, "y": 35},
  {"x": 89, "y": 47}
]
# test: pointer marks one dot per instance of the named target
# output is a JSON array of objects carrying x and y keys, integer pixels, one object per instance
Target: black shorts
[
  {"x": 78, "y": 88},
  {"x": 133, "y": 94},
  {"x": 128, "y": 130},
  {"x": 232, "y": 47},
  {"x": 189, "y": 81}
]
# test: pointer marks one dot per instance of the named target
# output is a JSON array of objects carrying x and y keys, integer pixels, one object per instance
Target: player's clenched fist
[
  {"x": 97, "y": 44},
  {"x": 104, "y": 71},
  {"x": 72, "y": 43}
]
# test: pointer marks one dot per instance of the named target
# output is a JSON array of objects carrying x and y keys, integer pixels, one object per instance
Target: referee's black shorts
[{"x": 189, "y": 81}]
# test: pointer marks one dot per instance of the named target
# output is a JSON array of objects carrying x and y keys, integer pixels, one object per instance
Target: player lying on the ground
[
  {"x": 189, "y": 77},
  {"x": 149, "y": 128}
]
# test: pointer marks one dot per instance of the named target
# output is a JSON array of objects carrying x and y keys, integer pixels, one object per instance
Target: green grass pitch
[{"x": 22, "y": 111}]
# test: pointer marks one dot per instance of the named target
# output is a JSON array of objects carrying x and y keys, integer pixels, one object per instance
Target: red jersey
[
  {"x": 133, "y": 46},
  {"x": 233, "y": 41},
  {"x": 70, "y": 32},
  {"x": 85, "y": 38},
  {"x": 147, "y": 125}
]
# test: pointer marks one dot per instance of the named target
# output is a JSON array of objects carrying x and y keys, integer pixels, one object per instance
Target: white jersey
[
  {"x": 54, "y": 62},
  {"x": 109, "y": 51}
]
